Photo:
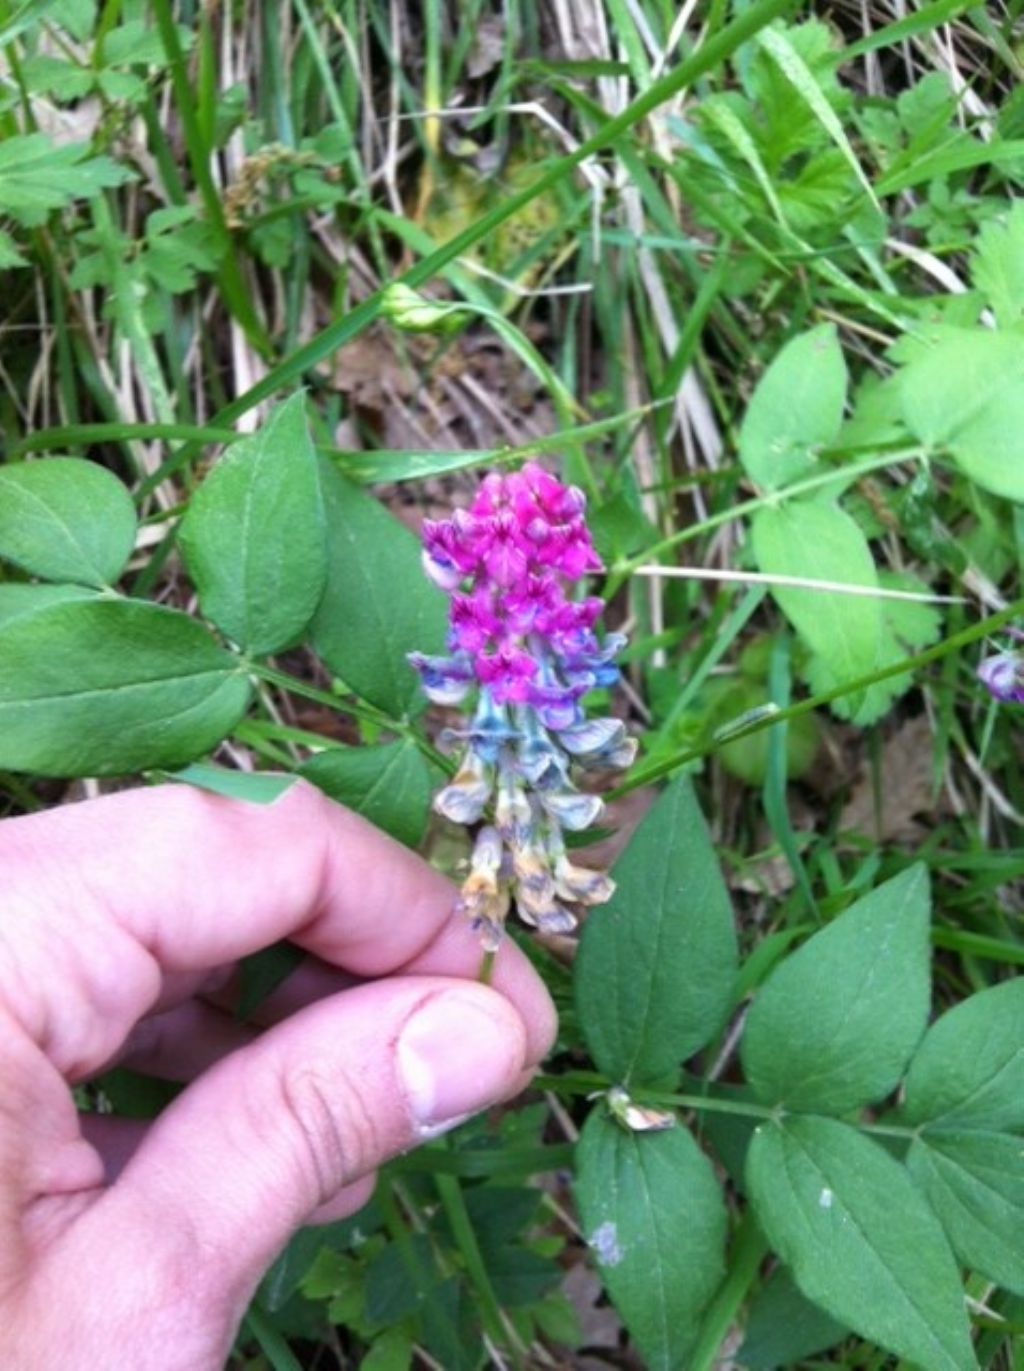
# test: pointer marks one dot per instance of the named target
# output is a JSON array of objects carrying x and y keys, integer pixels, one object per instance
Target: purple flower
[
  {"x": 1003, "y": 677},
  {"x": 532, "y": 653}
]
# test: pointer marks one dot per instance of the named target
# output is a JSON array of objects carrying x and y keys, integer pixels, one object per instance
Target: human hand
[{"x": 120, "y": 921}]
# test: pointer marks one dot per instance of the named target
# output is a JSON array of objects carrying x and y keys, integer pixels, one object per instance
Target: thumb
[{"x": 274, "y": 1131}]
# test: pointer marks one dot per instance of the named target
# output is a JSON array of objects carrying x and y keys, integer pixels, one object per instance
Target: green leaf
[
  {"x": 37, "y": 176},
  {"x": 389, "y": 785},
  {"x": 18, "y": 599},
  {"x": 378, "y": 605},
  {"x": 66, "y": 520},
  {"x": 499, "y": 1213},
  {"x": 392, "y": 1350},
  {"x": 907, "y": 626},
  {"x": 783, "y": 1328},
  {"x": 135, "y": 43},
  {"x": 401, "y": 1277},
  {"x": 787, "y": 57},
  {"x": 178, "y": 245},
  {"x": 619, "y": 528},
  {"x": 557, "y": 1320},
  {"x": 104, "y": 687},
  {"x": 77, "y": 16},
  {"x": 64, "y": 81},
  {"x": 9, "y": 254},
  {"x": 725, "y": 112},
  {"x": 820, "y": 542},
  {"x": 975, "y": 1183},
  {"x": 519, "y": 1276},
  {"x": 837, "y": 1021},
  {"x": 653, "y": 1216},
  {"x": 254, "y": 787},
  {"x": 121, "y": 85},
  {"x": 312, "y": 1259},
  {"x": 966, "y": 393},
  {"x": 998, "y": 270},
  {"x": 786, "y": 127},
  {"x": 796, "y": 409},
  {"x": 260, "y": 974},
  {"x": 369, "y": 468},
  {"x": 819, "y": 195},
  {"x": 254, "y": 536},
  {"x": 860, "y": 1239},
  {"x": 969, "y": 1071},
  {"x": 657, "y": 965}
]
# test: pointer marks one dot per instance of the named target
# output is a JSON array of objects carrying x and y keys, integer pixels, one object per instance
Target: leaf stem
[
  {"x": 749, "y": 1249},
  {"x": 356, "y": 708},
  {"x": 491, "y": 1314},
  {"x": 845, "y": 474},
  {"x": 933, "y": 654},
  {"x": 709, "y": 1104},
  {"x": 591, "y": 1083}
]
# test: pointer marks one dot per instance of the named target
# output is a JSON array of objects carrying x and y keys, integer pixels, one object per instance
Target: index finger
[{"x": 110, "y": 894}]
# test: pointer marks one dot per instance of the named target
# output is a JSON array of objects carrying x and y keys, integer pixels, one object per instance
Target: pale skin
[{"x": 121, "y": 920}]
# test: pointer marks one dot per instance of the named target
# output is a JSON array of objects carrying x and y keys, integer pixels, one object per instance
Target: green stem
[
  {"x": 232, "y": 283},
  {"x": 355, "y": 708},
  {"x": 888, "y": 1130},
  {"x": 85, "y": 435},
  {"x": 491, "y": 1316},
  {"x": 20, "y": 792},
  {"x": 623, "y": 569},
  {"x": 708, "y": 1103},
  {"x": 749, "y": 1250},
  {"x": 269, "y": 1340},
  {"x": 591, "y": 1083},
  {"x": 992, "y": 624},
  {"x": 979, "y": 945}
]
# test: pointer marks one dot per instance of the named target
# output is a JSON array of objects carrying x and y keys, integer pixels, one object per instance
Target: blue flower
[
  {"x": 1003, "y": 677},
  {"x": 445, "y": 680}
]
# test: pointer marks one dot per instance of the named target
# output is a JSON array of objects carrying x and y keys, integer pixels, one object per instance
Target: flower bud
[{"x": 412, "y": 312}]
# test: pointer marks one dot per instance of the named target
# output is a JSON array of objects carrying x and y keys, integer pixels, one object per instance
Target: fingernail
[{"x": 454, "y": 1059}]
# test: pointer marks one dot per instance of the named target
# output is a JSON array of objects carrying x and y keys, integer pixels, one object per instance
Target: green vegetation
[{"x": 279, "y": 281}]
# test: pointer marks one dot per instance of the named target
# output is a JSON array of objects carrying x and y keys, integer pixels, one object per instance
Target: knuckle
[{"x": 333, "y": 1128}]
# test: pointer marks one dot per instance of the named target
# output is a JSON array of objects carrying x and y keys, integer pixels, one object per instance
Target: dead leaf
[
  {"x": 905, "y": 787},
  {"x": 599, "y": 1323},
  {"x": 772, "y": 877},
  {"x": 488, "y": 46}
]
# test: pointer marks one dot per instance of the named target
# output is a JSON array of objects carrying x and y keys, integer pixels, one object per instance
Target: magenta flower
[{"x": 530, "y": 653}]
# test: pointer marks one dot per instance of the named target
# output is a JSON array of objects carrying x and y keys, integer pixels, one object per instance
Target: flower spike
[{"x": 530, "y": 652}]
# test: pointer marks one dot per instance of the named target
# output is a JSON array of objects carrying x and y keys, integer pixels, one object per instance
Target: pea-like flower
[
  {"x": 522, "y": 656},
  {"x": 1003, "y": 677}
]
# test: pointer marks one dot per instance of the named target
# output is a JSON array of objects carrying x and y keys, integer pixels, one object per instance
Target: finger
[
  {"x": 455, "y": 951},
  {"x": 182, "y": 1043},
  {"x": 348, "y": 1201},
  {"x": 114, "y": 1140},
  {"x": 177, "y": 880},
  {"x": 117, "y": 1140},
  {"x": 311, "y": 980},
  {"x": 273, "y": 1133}
]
